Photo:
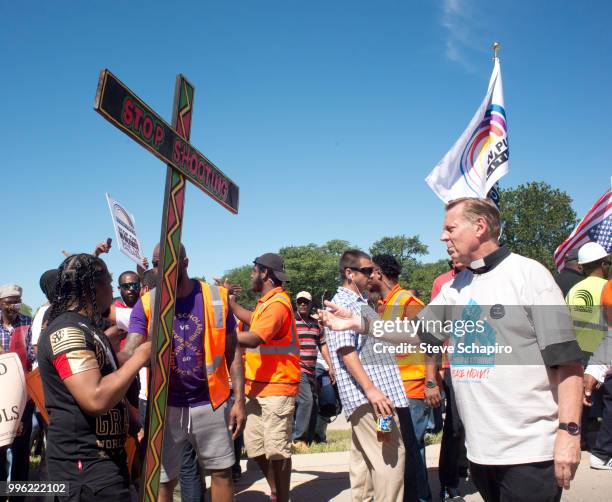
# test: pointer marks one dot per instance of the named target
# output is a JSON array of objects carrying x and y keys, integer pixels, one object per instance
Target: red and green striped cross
[{"x": 121, "y": 107}]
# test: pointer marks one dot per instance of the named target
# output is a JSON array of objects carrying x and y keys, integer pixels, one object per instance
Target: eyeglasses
[
  {"x": 130, "y": 285},
  {"x": 155, "y": 263},
  {"x": 302, "y": 301},
  {"x": 364, "y": 270}
]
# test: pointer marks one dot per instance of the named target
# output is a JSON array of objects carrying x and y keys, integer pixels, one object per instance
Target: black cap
[
  {"x": 572, "y": 254},
  {"x": 275, "y": 263},
  {"x": 47, "y": 283}
]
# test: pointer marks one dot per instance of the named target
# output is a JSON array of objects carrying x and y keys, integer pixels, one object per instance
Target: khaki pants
[
  {"x": 376, "y": 468},
  {"x": 269, "y": 426}
]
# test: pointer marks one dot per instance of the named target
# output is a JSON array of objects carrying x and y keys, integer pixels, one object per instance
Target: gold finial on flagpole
[{"x": 496, "y": 46}]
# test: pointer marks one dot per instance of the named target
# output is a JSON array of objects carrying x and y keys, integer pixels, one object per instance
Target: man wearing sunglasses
[
  {"x": 370, "y": 386},
  {"x": 129, "y": 289},
  {"x": 312, "y": 341},
  {"x": 400, "y": 303}
]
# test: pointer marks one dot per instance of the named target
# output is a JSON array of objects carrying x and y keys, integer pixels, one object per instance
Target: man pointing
[{"x": 521, "y": 418}]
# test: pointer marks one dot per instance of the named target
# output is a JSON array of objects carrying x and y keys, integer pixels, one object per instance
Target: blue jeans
[
  {"x": 416, "y": 485},
  {"x": 419, "y": 412},
  {"x": 192, "y": 489},
  {"x": 303, "y": 411},
  {"x": 603, "y": 445}
]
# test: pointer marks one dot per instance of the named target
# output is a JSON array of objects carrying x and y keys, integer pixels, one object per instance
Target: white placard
[
  {"x": 12, "y": 398},
  {"x": 125, "y": 230}
]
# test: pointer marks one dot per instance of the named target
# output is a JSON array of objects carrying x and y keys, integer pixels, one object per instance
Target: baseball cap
[
  {"x": 304, "y": 294},
  {"x": 590, "y": 252},
  {"x": 10, "y": 290},
  {"x": 275, "y": 263},
  {"x": 571, "y": 255}
]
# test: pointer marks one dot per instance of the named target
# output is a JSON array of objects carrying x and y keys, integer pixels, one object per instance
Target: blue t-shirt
[{"x": 188, "y": 385}]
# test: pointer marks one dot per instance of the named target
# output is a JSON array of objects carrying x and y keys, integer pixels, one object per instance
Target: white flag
[
  {"x": 125, "y": 230},
  {"x": 480, "y": 156}
]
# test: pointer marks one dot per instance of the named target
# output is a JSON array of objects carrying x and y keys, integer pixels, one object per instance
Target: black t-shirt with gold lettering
[{"x": 89, "y": 448}]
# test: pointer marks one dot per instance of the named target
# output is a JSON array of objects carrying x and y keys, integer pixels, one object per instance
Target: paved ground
[
  {"x": 324, "y": 476},
  {"x": 339, "y": 424}
]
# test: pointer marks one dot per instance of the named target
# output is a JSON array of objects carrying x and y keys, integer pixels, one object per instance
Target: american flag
[{"x": 596, "y": 226}]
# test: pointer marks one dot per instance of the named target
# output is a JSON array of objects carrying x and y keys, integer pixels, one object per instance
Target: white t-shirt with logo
[{"x": 508, "y": 403}]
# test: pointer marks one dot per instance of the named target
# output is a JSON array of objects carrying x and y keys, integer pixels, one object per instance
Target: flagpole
[{"x": 496, "y": 47}]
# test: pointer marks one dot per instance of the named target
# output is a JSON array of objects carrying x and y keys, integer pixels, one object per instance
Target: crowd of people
[{"x": 269, "y": 379}]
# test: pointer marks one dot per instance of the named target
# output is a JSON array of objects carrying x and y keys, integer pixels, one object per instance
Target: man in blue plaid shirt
[
  {"x": 16, "y": 336},
  {"x": 369, "y": 385}
]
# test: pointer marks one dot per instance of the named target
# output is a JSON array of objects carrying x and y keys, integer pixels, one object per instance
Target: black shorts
[
  {"x": 533, "y": 482},
  {"x": 82, "y": 493},
  {"x": 99, "y": 481}
]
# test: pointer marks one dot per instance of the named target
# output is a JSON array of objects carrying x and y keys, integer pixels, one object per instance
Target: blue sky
[{"x": 328, "y": 115}]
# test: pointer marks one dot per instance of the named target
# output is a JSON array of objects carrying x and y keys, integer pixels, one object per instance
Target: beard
[
  {"x": 130, "y": 300},
  {"x": 257, "y": 285}
]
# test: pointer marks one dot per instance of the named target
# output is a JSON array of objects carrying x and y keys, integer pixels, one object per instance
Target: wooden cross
[{"x": 120, "y": 106}]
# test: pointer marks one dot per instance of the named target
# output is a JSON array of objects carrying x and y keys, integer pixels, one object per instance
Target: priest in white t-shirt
[{"x": 514, "y": 359}]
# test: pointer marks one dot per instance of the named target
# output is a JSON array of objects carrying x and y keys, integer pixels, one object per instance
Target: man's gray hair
[{"x": 474, "y": 208}]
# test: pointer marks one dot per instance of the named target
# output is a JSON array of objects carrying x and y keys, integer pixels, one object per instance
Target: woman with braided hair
[{"x": 84, "y": 387}]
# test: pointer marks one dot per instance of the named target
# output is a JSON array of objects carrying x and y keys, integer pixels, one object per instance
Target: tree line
[{"x": 536, "y": 218}]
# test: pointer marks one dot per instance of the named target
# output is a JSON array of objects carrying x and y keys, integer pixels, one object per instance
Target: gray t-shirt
[{"x": 507, "y": 397}]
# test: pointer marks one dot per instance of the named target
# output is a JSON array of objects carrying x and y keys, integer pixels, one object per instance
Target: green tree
[
  {"x": 404, "y": 249},
  {"x": 314, "y": 268},
  {"x": 421, "y": 277},
  {"x": 25, "y": 310},
  {"x": 311, "y": 268},
  {"x": 536, "y": 219}
]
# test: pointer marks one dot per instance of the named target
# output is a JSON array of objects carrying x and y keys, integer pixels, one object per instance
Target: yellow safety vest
[
  {"x": 411, "y": 366},
  {"x": 584, "y": 301}
]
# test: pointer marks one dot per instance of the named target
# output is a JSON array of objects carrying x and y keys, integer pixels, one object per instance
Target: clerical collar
[{"x": 490, "y": 261}]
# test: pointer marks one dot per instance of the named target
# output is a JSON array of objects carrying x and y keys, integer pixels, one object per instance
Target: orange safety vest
[
  {"x": 273, "y": 368},
  {"x": 606, "y": 302},
  {"x": 411, "y": 366},
  {"x": 215, "y": 314}
]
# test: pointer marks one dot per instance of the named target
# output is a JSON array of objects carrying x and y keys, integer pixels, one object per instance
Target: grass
[
  {"x": 337, "y": 440},
  {"x": 340, "y": 440},
  {"x": 433, "y": 438}
]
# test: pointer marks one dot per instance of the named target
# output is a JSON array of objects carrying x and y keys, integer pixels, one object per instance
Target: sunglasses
[
  {"x": 302, "y": 301},
  {"x": 130, "y": 285},
  {"x": 364, "y": 270}
]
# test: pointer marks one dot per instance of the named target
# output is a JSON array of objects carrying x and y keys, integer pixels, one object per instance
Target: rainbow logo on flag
[
  {"x": 479, "y": 158},
  {"x": 478, "y": 154}
]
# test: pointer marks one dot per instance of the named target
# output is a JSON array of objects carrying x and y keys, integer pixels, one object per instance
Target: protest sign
[
  {"x": 12, "y": 398},
  {"x": 125, "y": 230}
]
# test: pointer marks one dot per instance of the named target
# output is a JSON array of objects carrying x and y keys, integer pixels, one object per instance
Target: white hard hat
[{"x": 590, "y": 252}]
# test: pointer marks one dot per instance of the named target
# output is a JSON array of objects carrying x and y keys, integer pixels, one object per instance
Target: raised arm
[
  {"x": 96, "y": 394},
  {"x": 245, "y": 315},
  {"x": 132, "y": 342},
  {"x": 138, "y": 328}
]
